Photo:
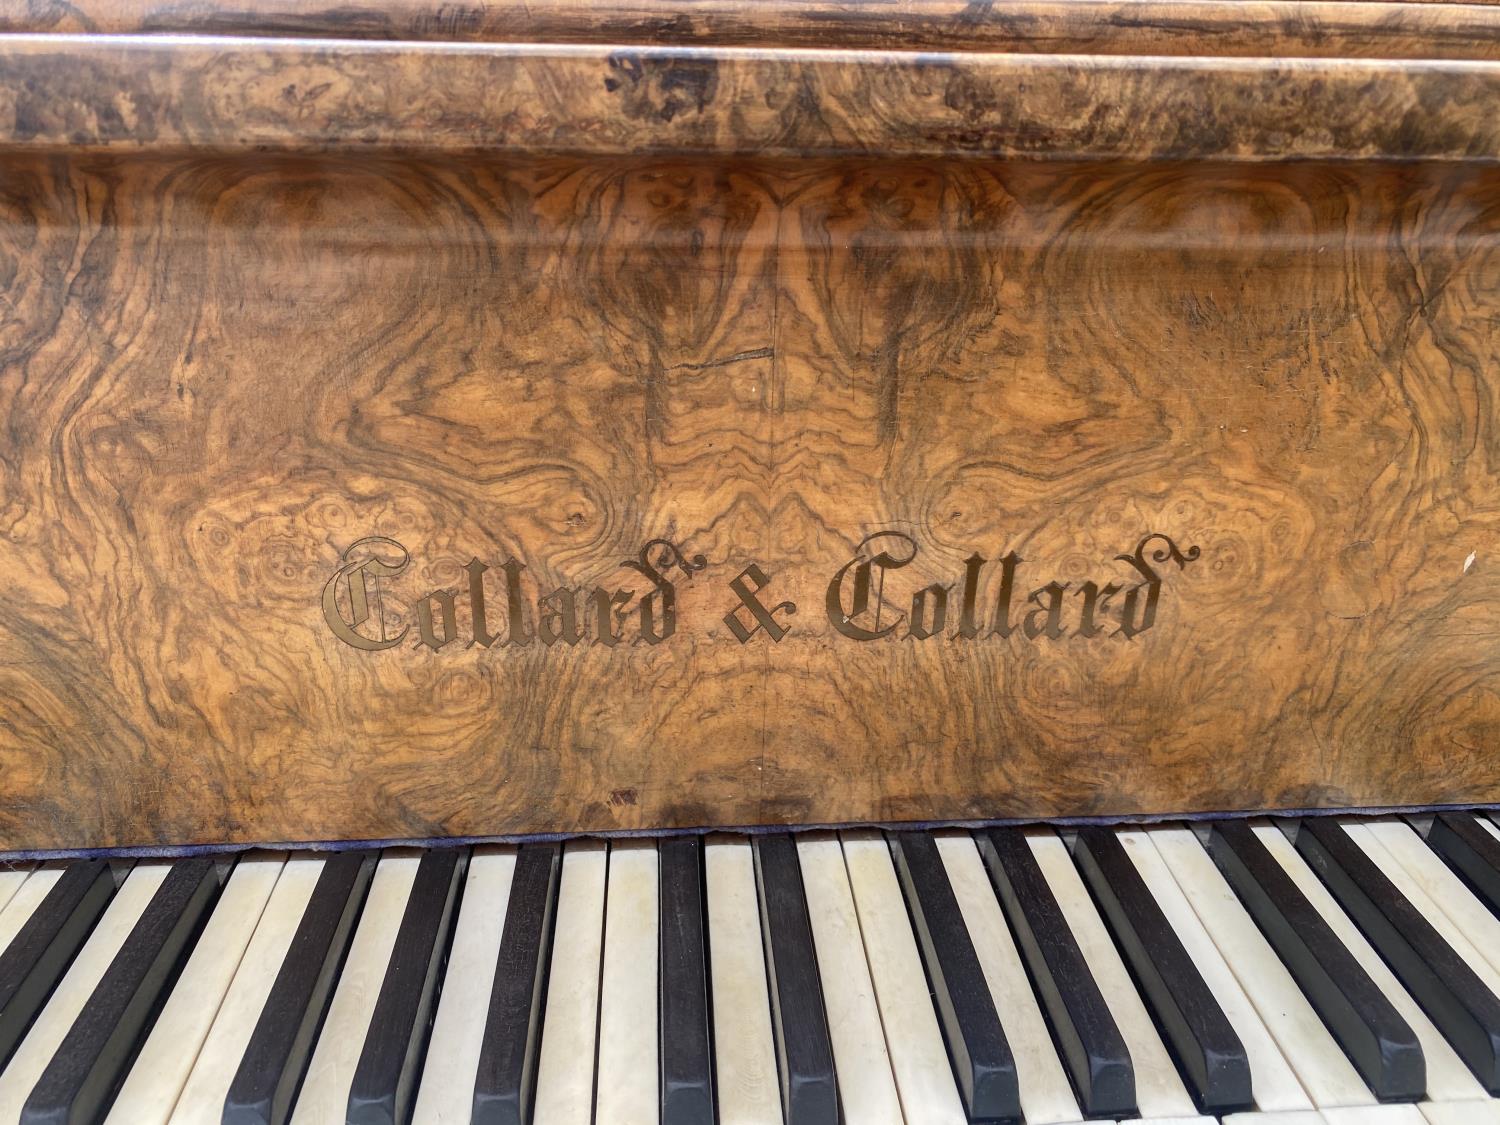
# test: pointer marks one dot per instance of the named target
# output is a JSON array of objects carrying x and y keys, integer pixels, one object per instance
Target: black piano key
[
  {"x": 45, "y": 946},
  {"x": 1454, "y": 998},
  {"x": 275, "y": 1060},
  {"x": 809, "y": 1092},
  {"x": 385, "y": 1077},
  {"x": 512, "y": 1030},
  {"x": 1207, "y": 1047},
  {"x": 687, "y": 1095},
  {"x": 1471, "y": 851},
  {"x": 981, "y": 1057},
  {"x": 1092, "y": 1047},
  {"x": 1381, "y": 1045},
  {"x": 84, "y": 1075}
]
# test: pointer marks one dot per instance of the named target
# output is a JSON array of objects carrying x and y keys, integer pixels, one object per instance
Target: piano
[{"x": 700, "y": 562}]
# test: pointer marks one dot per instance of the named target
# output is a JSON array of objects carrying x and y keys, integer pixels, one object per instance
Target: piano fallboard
[{"x": 429, "y": 434}]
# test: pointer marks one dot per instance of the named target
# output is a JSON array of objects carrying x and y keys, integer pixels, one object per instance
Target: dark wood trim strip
[{"x": 1062, "y": 823}]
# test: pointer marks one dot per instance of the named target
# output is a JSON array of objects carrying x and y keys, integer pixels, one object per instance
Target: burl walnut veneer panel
[
  {"x": 200, "y": 95},
  {"x": 791, "y": 492}
]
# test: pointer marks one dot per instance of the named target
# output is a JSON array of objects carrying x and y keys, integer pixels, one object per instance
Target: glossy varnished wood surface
[
  {"x": 1284, "y": 28},
  {"x": 1235, "y": 80},
  {"x": 197, "y": 94},
  {"x": 217, "y": 374}
]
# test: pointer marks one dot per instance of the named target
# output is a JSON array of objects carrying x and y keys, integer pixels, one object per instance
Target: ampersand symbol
[{"x": 765, "y": 619}]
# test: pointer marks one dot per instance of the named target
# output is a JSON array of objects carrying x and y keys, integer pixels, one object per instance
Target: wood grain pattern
[
  {"x": 216, "y": 374},
  {"x": 75, "y": 93},
  {"x": 1283, "y": 28}
]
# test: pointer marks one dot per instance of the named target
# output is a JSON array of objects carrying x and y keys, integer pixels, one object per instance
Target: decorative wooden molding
[
  {"x": 1270, "y": 28},
  {"x": 132, "y": 94}
]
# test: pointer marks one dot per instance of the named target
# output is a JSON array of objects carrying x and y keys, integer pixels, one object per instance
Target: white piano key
[
  {"x": 565, "y": 1075},
  {"x": 202, "y": 1099},
  {"x": 744, "y": 1053},
  {"x": 1374, "y": 1115},
  {"x": 445, "y": 1095},
  {"x": 11, "y": 879},
  {"x": 1197, "y": 1120},
  {"x": 919, "y": 1058},
  {"x": 166, "y": 1060},
  {"x": 867, "y": 1085},
  {"x": 1159, "y": 1090},
  {"x": 1488, "y": 825},
  {"x": 77, "y": 985},
  {"x": 325, "y": 1090},
  {"x": 627, "y": 1081},
  {"x": 1344, "y": 1115},
  {"x": 1305, "y": 1042},
  {"x": 1417, "y": 892},
  {"x": 1444, "y": 890},
  {"x": 1461, "y": 1113},
  {"x": 1275, "y": 1086},
  {"x": 1046, "y": 1094},
  {"x": 27, "y": 897},
  {"x": 1447, "y": 1077}
]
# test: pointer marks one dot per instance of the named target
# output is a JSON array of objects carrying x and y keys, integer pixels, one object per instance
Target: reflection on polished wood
[
  {"x": 233, "y": 94},
  {"x": 220, "y": 369},
  {"x": 1283, "y": 28}
]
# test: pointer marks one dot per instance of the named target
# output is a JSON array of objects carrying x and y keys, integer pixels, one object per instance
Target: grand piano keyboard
[{"x": 1332, "y": 972}]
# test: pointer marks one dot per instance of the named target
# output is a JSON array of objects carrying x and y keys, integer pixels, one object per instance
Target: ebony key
[
  {"x": 981, "y": 1057},
  {"x": 1452, "y": 995},
  {"x": 1206, "y": 1045},
  {"x": 687, "y": 1096},
  {"x": 280, "y": 1047},
  {"x": 809, "y": 1092},
  {"x": 1092, "y": 1047},
  {"x": 385, "y": 1077},
  {"x": 85, "y": 1073},
  {"x": 1471, "y": 851},
  {"x": 512, "y": 1031},
  {"x": 41, "y": 952},
  {"x": 1379, "y": 1043}
]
